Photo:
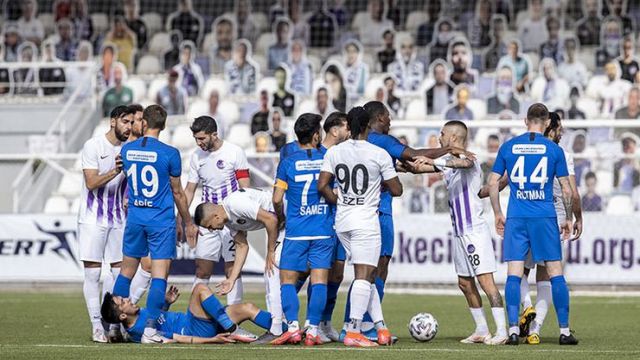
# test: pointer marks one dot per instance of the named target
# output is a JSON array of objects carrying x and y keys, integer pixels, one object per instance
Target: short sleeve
[
  {"x": 499, "y": 166},
  {"x": 570, "y": 165},
  {"x": 241, "y": 160},
  {"x": 175, "y": 164},
  {"x": 194, "y": 177},
  {"x": 561, "y": 164},
  {"x": 442, "y": 168},
  {"x": 327, "y": 164},
  {"x": 89, "y": 156},
  {"x": 392, "y": 145},
  {"x": 387, "y": 169},
  {"x": 281, "y": 176}
]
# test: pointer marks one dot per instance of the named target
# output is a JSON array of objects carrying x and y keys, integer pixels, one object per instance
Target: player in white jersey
[
  {"x": 360, "y": 169},
  {"x": 242, "y": 211},
  {"x": 532, "y": 317},
  {"x": 474, "y": 255},
  {"x": 222, "y": 168},
  {"x": 101, "y": 215}
]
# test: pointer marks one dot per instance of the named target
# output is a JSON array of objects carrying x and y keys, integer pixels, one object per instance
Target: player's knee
[
  {"x": 201, "y": 289},
  {"x": 146, "y": 265}
]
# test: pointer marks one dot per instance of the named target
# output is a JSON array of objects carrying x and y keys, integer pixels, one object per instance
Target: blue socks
[
  {"x": 560, "y": 293},
  {"x": 290, "y": 302},
  {"x": 155, "y": 300},
  {"x": 332, "y": 296},
  {"x": 122, "y": 286},
  {"x": 215, "y": 309},
  {"x": 512, "y": 298},
  {"x": 347, "y": 306},
  {"x": 317, "y": 303},
  {"x": 380, "y": 287},
  {"x": 263, "y": 319}
]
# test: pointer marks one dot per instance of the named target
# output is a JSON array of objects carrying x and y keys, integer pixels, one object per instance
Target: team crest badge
[
  {"x": 220, "y": 164},
  {"x": 471, "y": 249}
]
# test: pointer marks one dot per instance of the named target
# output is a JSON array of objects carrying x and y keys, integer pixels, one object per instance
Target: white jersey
[
  {"x": 242, "y": 209},
  {"x": 465, "y": 206},
  {"x": 557, "y": 190},
  {"x": 359, "y": 168},
  {"x": 102, "y": 206},
  {"x": 218, "y": 171}
]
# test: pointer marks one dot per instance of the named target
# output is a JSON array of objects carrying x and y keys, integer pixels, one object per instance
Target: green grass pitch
[{"x": 56, "y": 326}]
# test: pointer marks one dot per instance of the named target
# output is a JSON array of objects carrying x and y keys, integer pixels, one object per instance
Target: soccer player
[
  {"x": 153, "y": 176},
  {"x": 101, "y": 215},
  {"x": 360, "y": 169},
  {"x": 474, "y": 255},
  {"x": 528, "y": 326},
  {"x": 531, "y": 160},
  {"x": 308, "y": 241},
  {"x": 248, "y": 210},
  {"x": 206, "y": 320},
  {"x": 222, "y": 168}
]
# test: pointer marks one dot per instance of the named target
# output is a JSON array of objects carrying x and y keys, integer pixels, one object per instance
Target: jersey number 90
[{"x": 348, "y": 179}]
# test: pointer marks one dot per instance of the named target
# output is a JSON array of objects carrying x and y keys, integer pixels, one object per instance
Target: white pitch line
[{"x": 581, "y": 293}]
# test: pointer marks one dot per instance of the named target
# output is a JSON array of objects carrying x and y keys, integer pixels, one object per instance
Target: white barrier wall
[{"x": 45, "y": 248}]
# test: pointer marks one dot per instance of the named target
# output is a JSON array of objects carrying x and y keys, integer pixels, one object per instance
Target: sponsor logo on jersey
[
  {"x": 142, "y": 156},
  {"x": 309, "y": 165},
  {"x": 529, "y": 149}
]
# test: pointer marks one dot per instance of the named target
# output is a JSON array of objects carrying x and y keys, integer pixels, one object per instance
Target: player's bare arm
[
  {"x": 502, "y": 183},
  {"x": 577, "y": 207},
  {"x": 271, "y": 225},
  {"x": 242, "y": 249},
  {"x": 218, "y": 339},
  {"x": 409, "y": 153},
  {"x": 567, "y": 200},
  {"x": 494, "y": 196},
  {"x": 325, "y": 189},
  {"x": 278, "y": 205},
  {"x": 180, "y": 199},
  {"x": 93, "y": 180},
  {"x": 244, "y": 183},
  {"x": 394, "y": 186}
]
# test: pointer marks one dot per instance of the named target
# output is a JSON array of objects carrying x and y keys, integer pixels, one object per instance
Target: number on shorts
[{"x": 474, "y": 259}]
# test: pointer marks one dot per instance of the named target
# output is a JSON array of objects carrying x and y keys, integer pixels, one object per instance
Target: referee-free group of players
[{"x": 330, "y": 206}]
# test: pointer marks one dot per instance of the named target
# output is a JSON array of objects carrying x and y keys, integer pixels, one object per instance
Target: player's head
[
  {"x": 205, "y": 131},
  {"x": 137, "y": 130},
  {"x": 307, "y": 129},
  {"x": 120, "y": 122},
  {"x": 453, "y": 133},
  {"x": 116, "y": 309},
  {"x": 380, "y": 117},
  {"x": 335, "y": 126},
  {"x": 554, "y": 130},
  {"x": 155, "y": 117},
  {"x": 537, "y": 116},
  {"x": 358, "y": 120},
  {"x": 210, "y": 216}
]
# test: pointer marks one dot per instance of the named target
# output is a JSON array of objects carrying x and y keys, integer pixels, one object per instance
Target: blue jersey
[
  {"x": 395, "y": 148},
  {"x": 149, "y": 165},
  {"x": 308, "y": 215},
  {"x": 532, "y": 162},
  {"x": 168, "y": 323}
]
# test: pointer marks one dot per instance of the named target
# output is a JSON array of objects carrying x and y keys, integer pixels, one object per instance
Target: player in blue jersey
[
  {"x": 153, "y": 177},
  {"x": 531, "y": 162},
  {"x": 206, "y": 320}
]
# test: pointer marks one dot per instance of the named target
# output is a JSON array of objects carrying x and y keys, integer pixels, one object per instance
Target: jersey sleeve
[
  {"x": 89, "y": 156},
  {"x": 175, "y": 164},
  {"x": 570, "y": 165},
  {"x": 500, "y": 165},
  {"x": 392, "y": 145},
  {"x": 242, "y": 165},
  {"x": 442, "y": 168},
  {"x": 281, "y": 176},
  {"x": 561, "y": 164},
  {"x": 327, "y": 163},
  {"x": 194, "y": 177},
  {"x": 387, "y": 169}
]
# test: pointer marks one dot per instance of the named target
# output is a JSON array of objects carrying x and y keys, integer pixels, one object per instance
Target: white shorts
[
  {"x": 215, "y": 245},
  {"x": 362, "y": 246},
  {"x": 100, "y": 243},
  {"x": 473, "y": 254},
  {"x": 528, "y": 262}
]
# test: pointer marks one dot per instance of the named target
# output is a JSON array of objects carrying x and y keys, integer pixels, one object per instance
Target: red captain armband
[{"x": 242, "y": 174}]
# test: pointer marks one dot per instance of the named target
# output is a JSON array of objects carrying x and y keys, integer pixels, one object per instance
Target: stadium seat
[
  {"x": 410, "y": 133},
  {"x": 416, "y": 110},
  {"x": 230, "y": 110},
  {"x": 155, "y": 87},
  {"x": 149, "y": 64},
  {"x": 138, "y": 87},
  {"x": 587, "y": 56},
  {"x": 594, "y": 85},
  {"x": 316, "y": 62},
  {"x": 197, "y": 108},
  {"x": 208, "y": 43},
  {"x": 374, "y": 83},
  {"x": 370, "y": 60},
  {"x": 165, "y": 136},
  {"x": 48, "y": 23},
  {"x": 153, "y": 21},
  {"x": 56, "y": 205},
  {"x": 182, "y": 137},
  {"x": 261, "y": 22},
  {"x": 305, "y": 106},
  {"x": 589, "y": 106},
  {"x": 75, "y": 206},
  {"x": 268, "y": 83},
  {"x": 605, "y": 182},
  {"x": 261, "y": 62},
  {"x": 214, "y": 83},
  {"x": 534, "y": 60},
  {"x": 100, "y": 22},
  {"x": 478, "y": 108},
  {"x": 264, "y": 41},
  {"x": 620, "y": 205},
  {"x": 415, "y": 19},
  {"x": 101, "y": 129},
  {"x": 70, "y": 184},
  {"x": 357, "y": 19},
  {"x": 160, "y": 43},
  {"x": 240, "y": 134}
]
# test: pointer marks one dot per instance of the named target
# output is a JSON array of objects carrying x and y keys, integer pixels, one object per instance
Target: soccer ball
[{"x": 423, "y": 327}]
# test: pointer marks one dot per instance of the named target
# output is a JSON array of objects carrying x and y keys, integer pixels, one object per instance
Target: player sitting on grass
[{"x": 206, "y": 321}]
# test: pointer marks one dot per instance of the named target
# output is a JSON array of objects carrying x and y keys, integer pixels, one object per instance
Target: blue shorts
[
  {"x": 387, "y": 233},
  {"x": 541, "y": 235},
  {"x": 195, "y": 326},
  {"x": 339, "y": 253},
  {"x": 142, "y": 240},
  {"x": 299, "y": 255}
]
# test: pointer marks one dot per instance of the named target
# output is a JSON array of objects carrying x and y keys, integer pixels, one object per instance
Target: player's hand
[
  {"x": 577, "y": 230},
  {"x": 566, "y": 230},
  {"x": 119, "y": 164},
  {"x": 422, "y": 160},
  {"x": 401, "y": 167},
  {"x": 462, "y": 152},
  {"x": 192, "y": 235},
  {"x": 270, "y": 263},
  {"x": 222, "y": 339},
  {"x": 224, "y": 287},
  {"x": 500, "y": 222},
  {"x": 172, "y": 295}
]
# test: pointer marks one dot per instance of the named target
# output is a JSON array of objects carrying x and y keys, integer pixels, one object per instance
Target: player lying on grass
[
  {"x": 474, "y": 255},
  {"x": 206, "y": 321}
]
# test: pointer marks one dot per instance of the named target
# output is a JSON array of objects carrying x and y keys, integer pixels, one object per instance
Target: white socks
[
  {"x": 525, "y": 297},
  {"x": 139, "y": 285},
  {"x": 235, "y": 296},
  {"x": 375, "y": 308},
  {"x": 197, "y": 281},
  {"x": 499, "y": 319},
  {"x": 91, "y": 291},
  {"x": 360, "y": 300},
  {"x": 543, "y": 299},
  {"x": 274, "y": 303},
  {"x": 481, "y": 322}
]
